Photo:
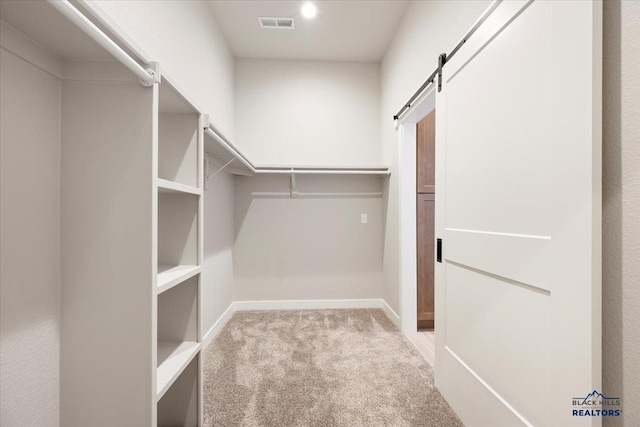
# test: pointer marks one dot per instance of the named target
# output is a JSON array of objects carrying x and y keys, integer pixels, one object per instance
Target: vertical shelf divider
[{"x": 203, "y": 122}]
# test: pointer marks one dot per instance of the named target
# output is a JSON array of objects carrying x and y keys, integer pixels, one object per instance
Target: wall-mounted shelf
[
  {"x": 172, "y": 275},
  {"x": 165, "y": 186},
  {"x": 173, "y": 358},
  {"x": 324, "y": 170},
  {"x": 223, "y": 155}
]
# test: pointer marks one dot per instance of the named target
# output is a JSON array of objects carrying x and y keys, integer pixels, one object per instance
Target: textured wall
[
  {"x": 29, "y": 254},
  {"x": 621, "y": 210}
]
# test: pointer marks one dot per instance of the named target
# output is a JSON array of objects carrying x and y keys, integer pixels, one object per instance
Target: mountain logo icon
[{"x": 593, "y": 397}]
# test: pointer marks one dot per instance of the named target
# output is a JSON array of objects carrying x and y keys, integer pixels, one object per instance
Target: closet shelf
[
  {"x": 166, "y": 186},
  {"x": 172, "y": 275},
  {"x": 323, "y": 170},
  {"x": 231, "y": 158},
  {"x": 173, "y": 358}
]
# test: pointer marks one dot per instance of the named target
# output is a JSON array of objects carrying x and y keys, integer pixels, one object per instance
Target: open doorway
[
  {"x": 417, "y": 210},
  {"x": 425, "y": 232},
  {"x": 425, "y": 218}
]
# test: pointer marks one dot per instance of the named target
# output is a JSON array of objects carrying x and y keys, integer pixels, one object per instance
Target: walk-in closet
[
  {"x": 136, "y": 159},
  {"x": 221, "y": 213}
]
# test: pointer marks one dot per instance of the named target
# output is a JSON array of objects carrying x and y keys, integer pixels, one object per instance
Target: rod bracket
[
  {"x": 442, "y": 59},
  {"x": 293, "y": 191},
  {"x": 154, "y": 75},
  {"x": 208, "y": 175},
  {"x": 204, "y": 121}
]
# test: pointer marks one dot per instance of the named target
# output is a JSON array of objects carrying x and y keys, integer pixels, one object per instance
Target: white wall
[
  {"x": 621, "y": 210},
  {"x": 183, "y": 37},
  {"x": 218, "y": 248},
  {"x": 30, "y": 229},
  {"x": 427, "y": 29},
  {"x": 308, "y": 112},
  {"x": 307, "y": 248}
]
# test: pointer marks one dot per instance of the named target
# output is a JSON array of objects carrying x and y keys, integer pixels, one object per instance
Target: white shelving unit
[
  {"x": 146, "y": 155},
  {"x": 131, "y": 220},
  {"x": 179, "y": 185}
]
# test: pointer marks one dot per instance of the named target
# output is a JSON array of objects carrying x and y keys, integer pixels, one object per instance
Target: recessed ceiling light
[{"x": 309, "y": 10}]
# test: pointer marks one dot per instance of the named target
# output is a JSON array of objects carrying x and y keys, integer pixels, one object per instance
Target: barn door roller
[{"x": 442, "y": 59}]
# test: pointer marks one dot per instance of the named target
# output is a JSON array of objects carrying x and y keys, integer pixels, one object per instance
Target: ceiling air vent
[{"x": 276, "y": 23}]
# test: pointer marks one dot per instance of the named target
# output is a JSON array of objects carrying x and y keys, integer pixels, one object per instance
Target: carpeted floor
[{"x": 318, "y": 368}]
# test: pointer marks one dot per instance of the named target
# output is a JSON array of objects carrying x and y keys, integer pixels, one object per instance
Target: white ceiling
[{"x": 343, "y": 30}]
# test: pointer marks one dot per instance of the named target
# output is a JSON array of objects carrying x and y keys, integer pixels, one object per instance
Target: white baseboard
[
  {"x": 317, "y": 304},
  {"x": 307, "y": 304},
  {"x": 391, "y": 314},
  {"x": 218, "y": 325}
]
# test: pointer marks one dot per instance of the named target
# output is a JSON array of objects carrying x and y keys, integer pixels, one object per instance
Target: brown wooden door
[
  {"x": 425, "y": 154},
  {"x": 425, "y": 206}
]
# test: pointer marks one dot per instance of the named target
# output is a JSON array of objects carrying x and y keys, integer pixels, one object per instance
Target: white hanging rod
[
  {"x": 318, "y": 195},
  {"x": 324, "y": 171},
  {"x": 147, "y": 77}
]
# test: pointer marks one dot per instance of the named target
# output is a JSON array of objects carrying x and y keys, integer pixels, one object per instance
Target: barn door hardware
[
  {"x": 442, "y": 59},
  {"x": 293, "y": 191}
]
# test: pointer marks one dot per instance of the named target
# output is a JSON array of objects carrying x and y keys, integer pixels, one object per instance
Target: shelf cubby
[
  {"x": 179, "y": 405},
  {"x": 178, "y": 341},
  {"x": 178, "y": 123},
  {"x": 178, "y": 148},
  {"x": 173, "y": 358},
  {"x": 177, "y": 229}
]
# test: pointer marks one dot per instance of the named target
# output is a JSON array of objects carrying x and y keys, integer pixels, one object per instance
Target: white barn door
[{"x": 518, "y": 211}]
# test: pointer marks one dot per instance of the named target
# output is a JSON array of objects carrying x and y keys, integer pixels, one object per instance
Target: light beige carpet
[{"x": 318, "y": 368}]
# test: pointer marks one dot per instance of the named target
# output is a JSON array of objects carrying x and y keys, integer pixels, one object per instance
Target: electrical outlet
[{"x": 363, "y": 218}]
